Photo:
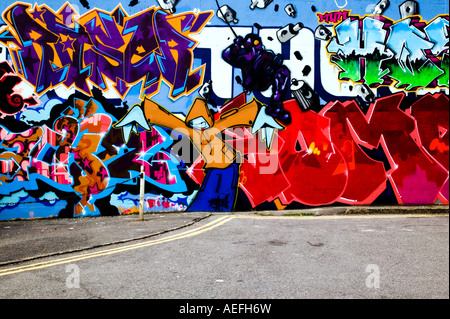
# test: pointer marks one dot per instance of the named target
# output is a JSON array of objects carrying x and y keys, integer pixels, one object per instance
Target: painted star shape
[
  {"x": 103, "y": 174},
  {"x": 86, "y": 163},
  {"x": 67, "y": 42},
  {"x": 37, "y": 13}
]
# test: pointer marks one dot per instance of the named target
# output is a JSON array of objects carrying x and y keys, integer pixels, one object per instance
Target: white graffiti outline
[{"x": 341, "y": 7}]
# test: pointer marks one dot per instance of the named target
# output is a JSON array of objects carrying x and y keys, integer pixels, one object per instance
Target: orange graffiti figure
[{"x": 205, "y": 133}]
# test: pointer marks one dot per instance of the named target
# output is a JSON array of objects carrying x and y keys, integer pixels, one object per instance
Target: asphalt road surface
[{"x": 235, "y": 257}]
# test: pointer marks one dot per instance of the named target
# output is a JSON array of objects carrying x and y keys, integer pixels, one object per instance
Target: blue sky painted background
[{"x": 265, "y": 17}]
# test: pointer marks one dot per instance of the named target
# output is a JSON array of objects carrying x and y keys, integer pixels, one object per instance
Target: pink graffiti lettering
[{"x": 333, "y": 17}]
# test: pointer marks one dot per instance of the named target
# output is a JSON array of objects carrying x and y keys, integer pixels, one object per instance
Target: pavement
[{"x": 31, "y": 239}]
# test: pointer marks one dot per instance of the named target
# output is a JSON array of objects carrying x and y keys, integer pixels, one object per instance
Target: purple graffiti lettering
[{"x": 51, "y": 49}]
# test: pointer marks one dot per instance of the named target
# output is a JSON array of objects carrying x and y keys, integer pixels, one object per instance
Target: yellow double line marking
[{"x": 190, "y": 233}]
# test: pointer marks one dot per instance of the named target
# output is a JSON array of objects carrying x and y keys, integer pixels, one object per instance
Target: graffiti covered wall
[{"x": 225, "y": 106}]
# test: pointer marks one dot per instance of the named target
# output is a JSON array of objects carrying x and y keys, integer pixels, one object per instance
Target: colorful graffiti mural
[{"x": 223, "y": 108}]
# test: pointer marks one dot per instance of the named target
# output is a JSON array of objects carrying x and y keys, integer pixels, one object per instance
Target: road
[{"x": 251, "y": 257}]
